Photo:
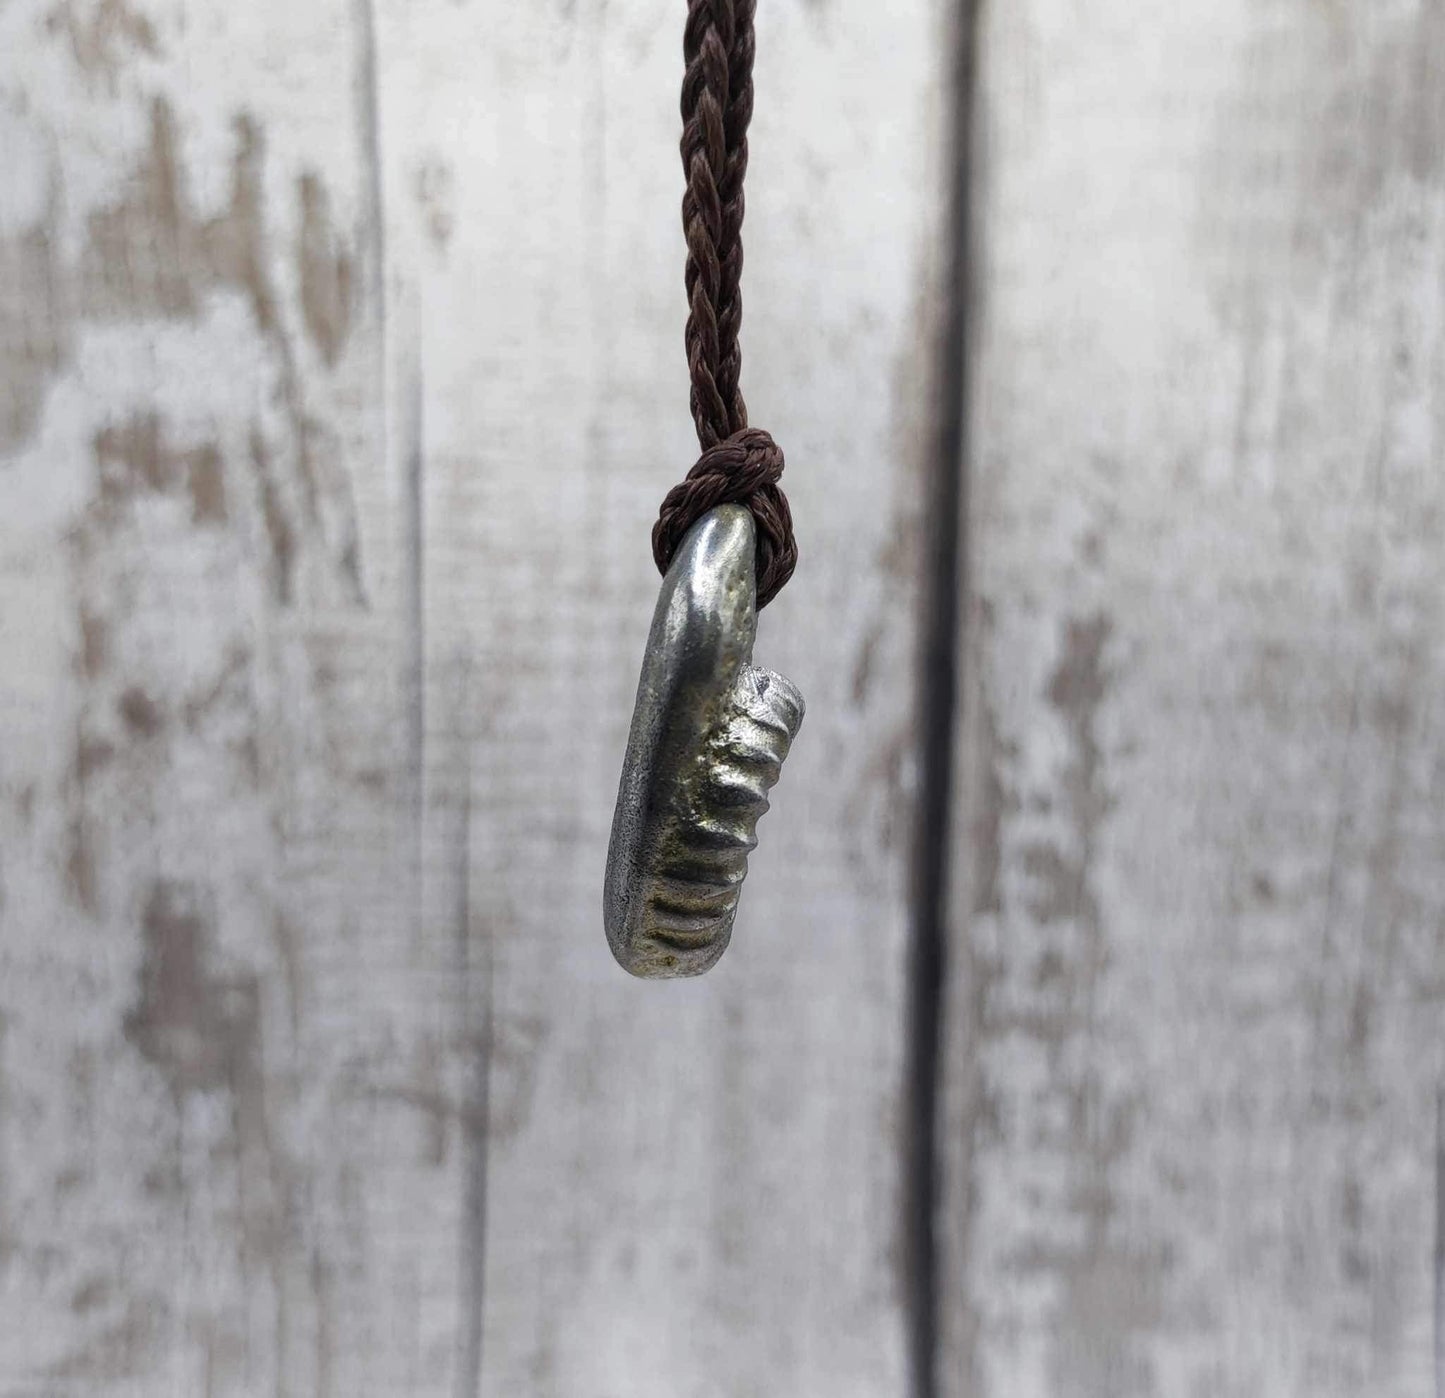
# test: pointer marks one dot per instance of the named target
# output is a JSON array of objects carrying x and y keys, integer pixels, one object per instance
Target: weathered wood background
[{"x": 340, "y": 377}]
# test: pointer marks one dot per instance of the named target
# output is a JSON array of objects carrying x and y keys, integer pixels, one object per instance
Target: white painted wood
[
  {"x": 223, "y": 1166},
  {"x": 1197, "y": 992},
  {"x": 330, "y": 436},
  {"x": 691, "y": 1188}
]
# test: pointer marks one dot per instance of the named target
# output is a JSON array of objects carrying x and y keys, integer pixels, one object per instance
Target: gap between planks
[{"x": 945, "y": 580}]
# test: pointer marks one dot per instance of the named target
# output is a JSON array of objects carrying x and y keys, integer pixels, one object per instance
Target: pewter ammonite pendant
[{"x": 709, "y": 735}]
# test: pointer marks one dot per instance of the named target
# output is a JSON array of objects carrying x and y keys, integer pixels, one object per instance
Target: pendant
[{"x": 709, "y": 734}]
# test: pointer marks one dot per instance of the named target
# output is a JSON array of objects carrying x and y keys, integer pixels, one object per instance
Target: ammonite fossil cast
[{"x": 709, "y": 734}]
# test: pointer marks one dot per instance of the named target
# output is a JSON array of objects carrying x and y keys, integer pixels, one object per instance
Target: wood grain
[
  {"x": 690, "y": 1189},
  {"x": 1196, "y": 997},
  {"x": 340, "y": 377},
  {"x": 226, "y": 1162}
]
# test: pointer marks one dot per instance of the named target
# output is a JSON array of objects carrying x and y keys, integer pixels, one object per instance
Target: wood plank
[
  {"x": 689, "y": 1188},
  {"x": 224, "y": 1163},
  {"x": 340, "y": 377},
  {"x": 1197, "y": 984}
]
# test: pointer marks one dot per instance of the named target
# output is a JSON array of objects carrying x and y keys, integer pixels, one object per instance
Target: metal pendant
[{"x": 710, "y": 731}]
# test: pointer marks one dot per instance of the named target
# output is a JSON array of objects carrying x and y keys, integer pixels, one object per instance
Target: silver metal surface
[{"x": 709, "y": 734}]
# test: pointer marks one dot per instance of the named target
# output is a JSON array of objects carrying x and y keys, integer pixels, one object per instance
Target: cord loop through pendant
[{"x": 744, "y": 469}]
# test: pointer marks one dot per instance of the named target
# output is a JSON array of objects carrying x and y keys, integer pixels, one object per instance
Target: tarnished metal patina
[{"x": 709, "y": 735}]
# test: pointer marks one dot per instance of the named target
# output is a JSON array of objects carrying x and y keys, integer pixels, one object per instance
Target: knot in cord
[{"x": 742, "y": 469}]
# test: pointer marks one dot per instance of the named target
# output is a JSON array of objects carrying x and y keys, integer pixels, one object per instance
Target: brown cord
[
  {"x": 742, "y": 469},
  {"x": 738, "y": 464}
]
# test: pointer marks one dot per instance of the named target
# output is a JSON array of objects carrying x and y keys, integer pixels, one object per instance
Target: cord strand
[
  {"x": 738, "y": 464},
  {"x": 707, "y": 40},
  {"x": 730, "y": 246}
]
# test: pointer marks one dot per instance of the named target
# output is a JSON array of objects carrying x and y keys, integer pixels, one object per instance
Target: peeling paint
[
  {"x": 149, "y": 253},
  {"x": 121, "y": 1347},
  {"x": 327, "y": 292},
  {"x": 34, "y": 327},
  {"x": 993, "y": 803},
  {"x": 279, "y": 533},
  {"x": 104, "y": 35},
  {"x": 94, "y": 643},
  {"x": 1076, "y": 690},
  {"x": 136, "y": 457},
  {"x": 80, "y": 872},
  {"x": 141, "y": 714},
  {"x": 197, "y": 1027},
  {"x": 435, "y": 196}
]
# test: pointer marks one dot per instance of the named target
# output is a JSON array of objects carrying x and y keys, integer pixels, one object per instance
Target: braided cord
[{"x": 738, "y": 464}]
